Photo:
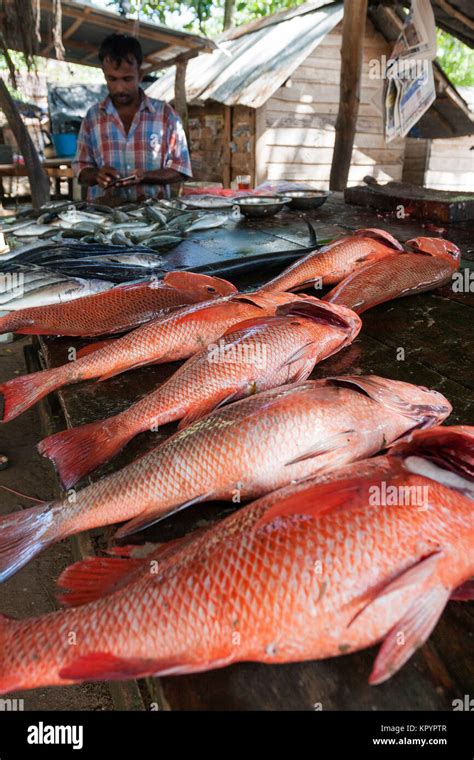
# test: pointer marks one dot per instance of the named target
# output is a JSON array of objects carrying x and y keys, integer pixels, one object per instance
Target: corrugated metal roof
[{"x": 248, "y": 69}]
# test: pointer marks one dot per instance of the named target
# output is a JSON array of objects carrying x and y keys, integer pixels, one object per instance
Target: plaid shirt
[{"x": 156, "y": 140}]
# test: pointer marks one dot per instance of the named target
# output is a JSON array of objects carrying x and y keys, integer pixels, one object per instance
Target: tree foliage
[
  {"x": 456, "y": 59},
  {"x": 204, "y": 16}
]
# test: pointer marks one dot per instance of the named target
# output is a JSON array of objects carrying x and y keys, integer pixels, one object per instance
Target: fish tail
[
  {"x": 22, "y": 538},
  {"x": 22, "y": 392},
  {"x": 81, "y": 450}
]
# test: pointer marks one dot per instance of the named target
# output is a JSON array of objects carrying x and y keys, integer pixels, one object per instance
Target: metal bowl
[
  {"x": 304, "y": 199},
  {"x": 257, "y": 206}
]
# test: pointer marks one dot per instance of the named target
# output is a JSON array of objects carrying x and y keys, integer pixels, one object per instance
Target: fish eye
[{"x": 210, "y": 289}]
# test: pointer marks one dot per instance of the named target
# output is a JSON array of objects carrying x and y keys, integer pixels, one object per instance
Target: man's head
[{"x": 121, "y": 57}]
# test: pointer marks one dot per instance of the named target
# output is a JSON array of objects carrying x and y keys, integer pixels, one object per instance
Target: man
[{"x": 129, "y": 134}]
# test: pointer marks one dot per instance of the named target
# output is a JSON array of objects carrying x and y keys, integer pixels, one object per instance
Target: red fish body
[
  {"x": 172, "y": 337},
  {"x": 398, "y": 275},
  {"x": 253, "y": 356},
  {"x": 331, "y": 263},
  {"x": 313, "y": 571},
  {"x": 118, "y": 309},
  {"x": 249, "y": 448}
]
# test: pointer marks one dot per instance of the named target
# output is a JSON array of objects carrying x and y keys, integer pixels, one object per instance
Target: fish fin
[
  {"x": 121, "y": 370},
  {"x": 21, "y": 537},
  {"x": 22, "y": 392},
  {"x": 318, "y": 499},
  {"x": 100, "y": 666},
  {"x": 464, "y": 592},
  {"x": 150, "y": 518},
  {"x": 382, "y": 235},
  {"x": 333, "y": 442},
  {"x": 206, "y": 408},
  {"x": 78, "y": 451},
  {"x": 413, "y": 630},
  {"x": 319, "y": 311},
  {"x": 91, "y": 347},
  {"x": 416, "y": 574},
  {"x": 94, "y": 577},
  {"x": 246, "y": 324}
]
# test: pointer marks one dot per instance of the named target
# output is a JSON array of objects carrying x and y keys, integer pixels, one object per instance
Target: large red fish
[
  {"x": 251, "y": 357},
  {"x": 248, "y": 448},
  {"x": 172, "y": 337},
  {"x": 331, "y": 263},
  {"x": 430, "y": 266},
  {"x": 118, "y": 309},
  {"x": 314, "y": 571}
]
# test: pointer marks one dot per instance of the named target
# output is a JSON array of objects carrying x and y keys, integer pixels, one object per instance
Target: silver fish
[
  {"x": 66, "y": 290},
  {"x": 207, "y": 222}
]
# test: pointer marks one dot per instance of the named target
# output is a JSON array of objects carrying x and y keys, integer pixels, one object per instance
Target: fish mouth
[{"x": 450, "y": 448}]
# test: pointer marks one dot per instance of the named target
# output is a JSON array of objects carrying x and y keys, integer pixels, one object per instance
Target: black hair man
[{"x": 129, "y": 134}]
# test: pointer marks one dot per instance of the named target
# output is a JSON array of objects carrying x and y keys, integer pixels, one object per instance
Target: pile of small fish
[
  {"x": 158, "y": 225},
  {"x": 249, "y": 415},
  {"x": 83, "y": 242}
]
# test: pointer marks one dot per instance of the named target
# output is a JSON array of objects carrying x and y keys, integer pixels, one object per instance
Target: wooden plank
[
  {"x": 322, "y": 171},
  {"x": 316, "y": 92},
  {"x": 276, "y": 103},
  {"x": 280, "y": 154}
]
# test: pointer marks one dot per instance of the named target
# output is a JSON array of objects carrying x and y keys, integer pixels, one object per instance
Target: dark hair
[{"x": 121, "y": 47}]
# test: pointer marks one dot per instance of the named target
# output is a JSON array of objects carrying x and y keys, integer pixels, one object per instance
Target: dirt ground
[{"x": 31, "y": 591}]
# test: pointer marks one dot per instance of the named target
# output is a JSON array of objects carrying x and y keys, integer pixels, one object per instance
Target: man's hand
[
  {"x": 106, "y": 175},
  {"x": 137, "y": 177}
]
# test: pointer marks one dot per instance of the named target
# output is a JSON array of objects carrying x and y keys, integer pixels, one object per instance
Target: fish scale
[
  {"x": 269, "y": 439},
  {"x": 117, "y": 309},
  {"x": 394, "y": 277},
  {"x": 333, "y": 262},
  {"x": 168, "y": 338}
]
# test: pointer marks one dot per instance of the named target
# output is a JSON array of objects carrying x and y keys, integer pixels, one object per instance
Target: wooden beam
[
  {"x": 227, "y": 139},
  {"x": 111, "y": 23},
  {"x": 157, "y": 65},
  {"x": 353, "y": 30},
  {"x": 68, "y": 33},
  {"x": 180, "y": 103}
]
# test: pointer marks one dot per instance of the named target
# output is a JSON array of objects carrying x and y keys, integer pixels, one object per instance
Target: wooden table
[
  {"x": 436, "y": 331},
  {"x": 56, "y": 168}
]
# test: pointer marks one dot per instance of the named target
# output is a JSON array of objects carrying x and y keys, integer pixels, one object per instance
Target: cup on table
[{"x": 243, "y": 181}]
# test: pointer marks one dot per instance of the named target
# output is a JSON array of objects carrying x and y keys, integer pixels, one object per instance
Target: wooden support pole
[
  {"x": 226, "y": 154},
  {"x": 180, "y": 102},
  {"x": 39, "y": 182},
  {"x": 353, "y": 30}
]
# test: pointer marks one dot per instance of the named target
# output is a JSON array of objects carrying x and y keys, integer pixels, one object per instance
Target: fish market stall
[{"x": 425, "y": 339}]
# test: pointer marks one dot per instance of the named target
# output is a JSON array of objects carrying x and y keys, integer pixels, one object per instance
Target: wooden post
[
  {"x": 39, "y": 181},
  {"x": 226, "y": 154},
  {"x": 353, "y": 30},
  {"x": 180, "y": 102}
]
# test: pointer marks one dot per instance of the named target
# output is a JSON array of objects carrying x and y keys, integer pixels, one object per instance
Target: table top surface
[{"x": 435, "y": 330}]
